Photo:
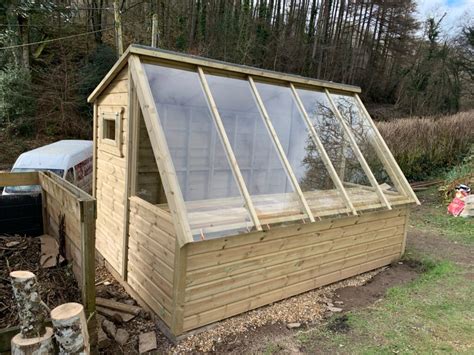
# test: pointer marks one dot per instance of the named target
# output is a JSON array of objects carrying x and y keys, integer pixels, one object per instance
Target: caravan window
[{"x": 70, "y": 176}]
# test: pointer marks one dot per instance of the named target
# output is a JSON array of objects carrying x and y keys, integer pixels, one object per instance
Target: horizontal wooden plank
[
  {"x": 111, "y": 158},
  {"x": 207, "y": 246},
  {"x": 153, "y": 232},
  {"x": 150, "y": 299},
  {"x": 259, "y": 269},
  {"x": 155, "y": 271},
  {"x": 142, "y": 241},
  {"x": 19, "y": 179},
  {"x": 72, "y": 223},
  {"x": 327, "y": 263},
  {"x": 139, "y": 277},
  {"x": 232, "y": 309},
  {"x": 117, "y": 86},
  {"x": 154, "y": 215},
  {"x": 69, "y": 202},
  {"x": 245, "y": 266},
  {"x": 106, "y": 248},
  {"x": 147, "y": 257},
  {"x": 226, "y": 256},
  {"x": 113, "y": 99}
]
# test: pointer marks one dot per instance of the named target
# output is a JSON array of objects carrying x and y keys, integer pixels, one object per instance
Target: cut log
[
  {"x": 70, "y": 328},
  {"x": 33, "y": 346},
  {"x": 30, "y": 308},
  {"x": 119, "y": 317},
  {"x": 118, "y": 306}
]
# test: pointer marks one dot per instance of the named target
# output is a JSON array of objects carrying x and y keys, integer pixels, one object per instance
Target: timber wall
[
  {"x": 110, "y": 172},
  {"x": 151, "y": 243},
  {"x": 68, "y": 215},
  {"x": 62, "y": 220},
  {"x": 228, "y": 276}
]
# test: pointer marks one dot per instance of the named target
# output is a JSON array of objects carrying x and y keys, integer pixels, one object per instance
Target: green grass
[
  {"x": 431, "y": 216},
  {"x": 271, "y": 348},
  {"x": 432, "y": 314}
]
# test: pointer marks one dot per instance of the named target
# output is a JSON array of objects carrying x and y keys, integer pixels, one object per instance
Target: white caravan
[{"x": 69, "y": 159}]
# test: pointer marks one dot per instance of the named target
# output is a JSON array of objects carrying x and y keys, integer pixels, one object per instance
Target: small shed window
[{"x": 111, "y": 130}]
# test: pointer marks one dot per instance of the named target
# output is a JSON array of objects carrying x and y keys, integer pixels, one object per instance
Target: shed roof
[
  {"x": 151, "y": 52},
  {"x": 241, "y": 149}
]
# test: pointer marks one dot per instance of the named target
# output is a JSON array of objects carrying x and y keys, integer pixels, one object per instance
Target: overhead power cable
[{"x": 56, "y": 39}]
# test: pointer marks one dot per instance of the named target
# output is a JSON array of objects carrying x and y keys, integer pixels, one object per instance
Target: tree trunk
[
  {"x": 33, "y": 346},
  {"x": 24, "y": 31},
  {"x": 30, "y": 309},
  {"x": 70, "y": 328}
]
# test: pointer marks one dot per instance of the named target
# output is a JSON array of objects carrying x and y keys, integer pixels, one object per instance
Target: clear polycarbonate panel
[
  {"x": 298, "y": 144},
  {"x": 265, "y": 176},
  {"x": 214, "y": 205},
  {"x": 338, "y": 147},
  {"x": 365, "y": 137}
]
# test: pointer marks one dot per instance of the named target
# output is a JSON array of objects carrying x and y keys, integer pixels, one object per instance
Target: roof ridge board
[
  {"x": 209, "y": 62},
  {"x": 256, "y": 71}
]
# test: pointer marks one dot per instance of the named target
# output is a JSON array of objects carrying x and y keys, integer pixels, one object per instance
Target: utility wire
[{"x": 56, "y": 39}]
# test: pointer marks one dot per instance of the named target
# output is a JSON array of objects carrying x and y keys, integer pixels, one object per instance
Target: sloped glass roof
[{"x": 249, "y": 153}]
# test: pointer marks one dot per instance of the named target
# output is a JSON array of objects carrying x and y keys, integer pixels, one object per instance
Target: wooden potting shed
[{"x": 222, "y": 188}]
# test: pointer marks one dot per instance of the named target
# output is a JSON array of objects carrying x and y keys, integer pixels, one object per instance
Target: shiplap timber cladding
[
  {"x": 196, "y": 215},
  {"x": 228, "y": 276},
  {"x": 111, "y": 173},
  {"x": 152, "y": 241}
]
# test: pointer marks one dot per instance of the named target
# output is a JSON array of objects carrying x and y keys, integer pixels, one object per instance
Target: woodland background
[{"x": 405, "y": 67}]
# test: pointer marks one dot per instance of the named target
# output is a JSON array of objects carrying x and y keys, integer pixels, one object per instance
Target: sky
[{"x": 458, "y": 13}]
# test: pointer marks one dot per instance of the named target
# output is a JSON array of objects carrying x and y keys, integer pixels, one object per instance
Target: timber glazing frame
[{"x": 202, "y": 66}]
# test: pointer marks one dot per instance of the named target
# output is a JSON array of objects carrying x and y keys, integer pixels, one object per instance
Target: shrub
[
  {"x": 17, "y": 103},
  {"x": 424, "y": 147}
]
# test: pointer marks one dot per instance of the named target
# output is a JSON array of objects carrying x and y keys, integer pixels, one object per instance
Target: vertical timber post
[{"x": 88, "y": 215}]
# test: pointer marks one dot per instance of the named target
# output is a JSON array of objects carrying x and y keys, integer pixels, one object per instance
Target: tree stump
[
  {"x": 34, "y": 338},
  {"x": 30, "y": 308},
  {"x": 70, "y": 329},
  {"x": 33, "y": 346}
]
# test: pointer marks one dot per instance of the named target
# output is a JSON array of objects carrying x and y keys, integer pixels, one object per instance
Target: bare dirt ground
[
  {"x": 440, "y": 248},
  {"x": 375, "y": 288}
]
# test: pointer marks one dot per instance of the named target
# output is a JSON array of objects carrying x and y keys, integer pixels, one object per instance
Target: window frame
[{"x": 108, "y": 114}]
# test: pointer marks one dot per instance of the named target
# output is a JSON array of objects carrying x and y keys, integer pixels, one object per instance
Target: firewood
[
  {"x": 118, "y": 306},
  {"x": 70, "y": 328}
]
